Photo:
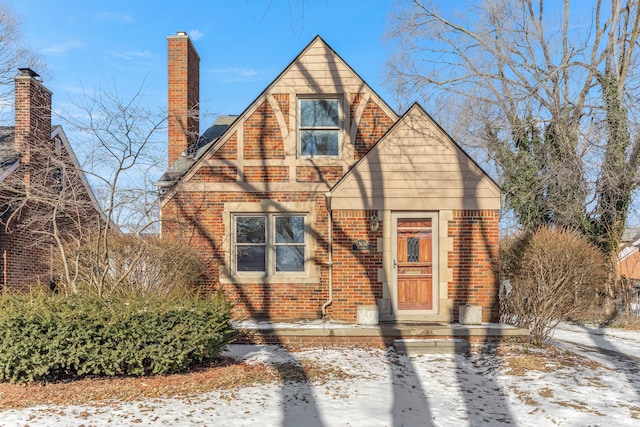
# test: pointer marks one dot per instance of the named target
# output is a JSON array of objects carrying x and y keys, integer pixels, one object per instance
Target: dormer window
[{"x": 319, "y": 127}]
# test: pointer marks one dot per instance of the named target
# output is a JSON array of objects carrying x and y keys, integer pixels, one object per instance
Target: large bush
[
  {"x": 50, "y": 337},
  {"x": 129, "y": 265},
  {"x": 548, "y": 276}
]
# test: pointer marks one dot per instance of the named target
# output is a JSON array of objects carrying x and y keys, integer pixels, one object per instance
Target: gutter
[{"x": 327, "y": 197}]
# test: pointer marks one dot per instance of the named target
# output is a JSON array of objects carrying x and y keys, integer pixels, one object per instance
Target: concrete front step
[
  {"x": 327, "y": 334},
  {"x": 431, "y": 346}
]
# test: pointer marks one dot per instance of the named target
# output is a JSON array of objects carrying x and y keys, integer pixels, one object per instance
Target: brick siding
[
  {"x": 229, "y": 151},
  {"x": 473, "y": 260},
  {"x": 25, "y": 263},
  {"x": 355, "y": 273},
  {"x": 328, "y": 174},
  {"x": 216, "y": 174},
  {"x": 197, "y": 219},
  {"x": 373, "y": 124},
  {"x": 262, "y": 135}
]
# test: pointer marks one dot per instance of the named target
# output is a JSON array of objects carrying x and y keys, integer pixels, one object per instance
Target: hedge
[{"x": 54, "y": 337}]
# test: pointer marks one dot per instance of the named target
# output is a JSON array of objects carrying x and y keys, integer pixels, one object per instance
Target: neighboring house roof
[
  {"x": 629, "y": 243},
  {"x": 630, "y": 235},
  {"x": 628, "y": 250},
  {"x": 10, "y": 158},
  {"x": 187, "y": 160},
  {"x": 416, "y": 165},
  {"x": 58, "y": 132},
  {"x": 181, "y": 171}
]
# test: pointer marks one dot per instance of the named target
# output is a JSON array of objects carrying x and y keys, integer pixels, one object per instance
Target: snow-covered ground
[{"x": 391, "y": 390}]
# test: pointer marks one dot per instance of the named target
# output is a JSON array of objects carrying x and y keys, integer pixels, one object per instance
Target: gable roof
[
  {"x": 10, "y": 158},
  {"x": 204, "y": 143},
  {"x": 416, "y": 165},
  {"x": 58, "y": 132},
  {"x": 185, "y": 167}
]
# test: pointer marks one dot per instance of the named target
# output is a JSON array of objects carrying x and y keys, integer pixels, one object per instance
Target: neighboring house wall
[
  {"x": 25, "y": 263},
  {"x": 629, "y": 266},
  {"x": 428, "y": 196},
  {"x": 41, "y": 181}
]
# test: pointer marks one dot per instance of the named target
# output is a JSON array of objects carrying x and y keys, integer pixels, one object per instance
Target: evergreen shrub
[{"x": 50, "y": 337}]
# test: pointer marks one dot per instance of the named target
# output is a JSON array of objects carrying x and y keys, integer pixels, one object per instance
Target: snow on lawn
[{"x": 381, "y": 388}]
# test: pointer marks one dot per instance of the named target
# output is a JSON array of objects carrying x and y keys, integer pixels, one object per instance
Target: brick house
[
  {"x": 628, "y": 266},
  {"x": 319, "y": 199},
  {"x": 38, "y": 169}
]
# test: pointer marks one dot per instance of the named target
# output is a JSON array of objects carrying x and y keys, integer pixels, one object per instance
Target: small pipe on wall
[
  {"x": 327, "y": 197},
  {"x": 4, "y": 269}
]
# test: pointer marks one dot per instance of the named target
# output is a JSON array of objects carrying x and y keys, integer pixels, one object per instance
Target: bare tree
[
  {"x": 121, "y": 157},
  {"x": 13, "y": 53},
  {"x": 548, "y": 95},
  {"x": 122, "y": 153}
]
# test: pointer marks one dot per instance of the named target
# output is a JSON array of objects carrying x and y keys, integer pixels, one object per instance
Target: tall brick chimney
[
  {"x": 33, "y": 113},
  {"x": 184, "y": 95}
]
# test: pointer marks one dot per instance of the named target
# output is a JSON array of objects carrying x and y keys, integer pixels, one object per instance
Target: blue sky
[{"x": 243, "y": 44}]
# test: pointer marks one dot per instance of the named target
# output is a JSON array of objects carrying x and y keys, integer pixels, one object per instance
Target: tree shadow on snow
[{"x": 622, "y": 362}]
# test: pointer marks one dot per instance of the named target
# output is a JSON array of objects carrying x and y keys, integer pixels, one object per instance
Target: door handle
[{"x": 395, "y": 264}]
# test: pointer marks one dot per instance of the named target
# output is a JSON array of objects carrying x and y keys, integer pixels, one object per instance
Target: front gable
[
  {"x": 261, "y": 150},
  {"x": 416, "y": 166}
]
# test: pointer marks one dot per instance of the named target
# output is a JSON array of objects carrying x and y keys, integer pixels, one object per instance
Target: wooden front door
[{"x": 414, "y": 263}]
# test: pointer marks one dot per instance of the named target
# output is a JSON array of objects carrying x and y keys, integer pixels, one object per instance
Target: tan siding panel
[
  {"x": 414, "y": 167},
  {"x": 322, "y": 85},
  {"x": 320, "y": 59},
  {"x": 401, "y": 152},
  {"x": 446, "y": 171},
  {"x": 451, "y": 168},
  {"x": 416, "y": 203},
  {"x": 304, "y": 66},
  {"x": 442, "y": 193},
  {"x": 408, "y": 185}
]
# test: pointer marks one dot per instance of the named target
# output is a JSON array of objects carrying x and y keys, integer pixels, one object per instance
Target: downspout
[
  {"x": 327, "y": 197},
  {"x": 4, "y": 270}
]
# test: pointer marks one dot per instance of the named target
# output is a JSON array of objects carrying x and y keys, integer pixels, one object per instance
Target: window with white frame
[
  {"x": 269, "y": 243},
  {"x": 319, "y": 127}
]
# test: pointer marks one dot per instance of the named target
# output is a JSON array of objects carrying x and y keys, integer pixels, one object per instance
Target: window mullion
[{"x": 270, "y": 242}]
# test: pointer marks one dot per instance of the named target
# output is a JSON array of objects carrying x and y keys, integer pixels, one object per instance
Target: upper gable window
[{"x": 319, "y": 131}]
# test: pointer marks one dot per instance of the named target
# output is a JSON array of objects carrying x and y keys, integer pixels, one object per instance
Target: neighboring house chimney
[
  {"x": 33, "y": 113},
  {"x": 184, "y": 95}
]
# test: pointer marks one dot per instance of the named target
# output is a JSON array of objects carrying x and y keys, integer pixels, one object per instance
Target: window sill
[{"x": 261, "y": 279}]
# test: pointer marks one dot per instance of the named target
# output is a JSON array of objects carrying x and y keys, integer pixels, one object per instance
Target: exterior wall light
[{"x": 374, "y": 223}]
